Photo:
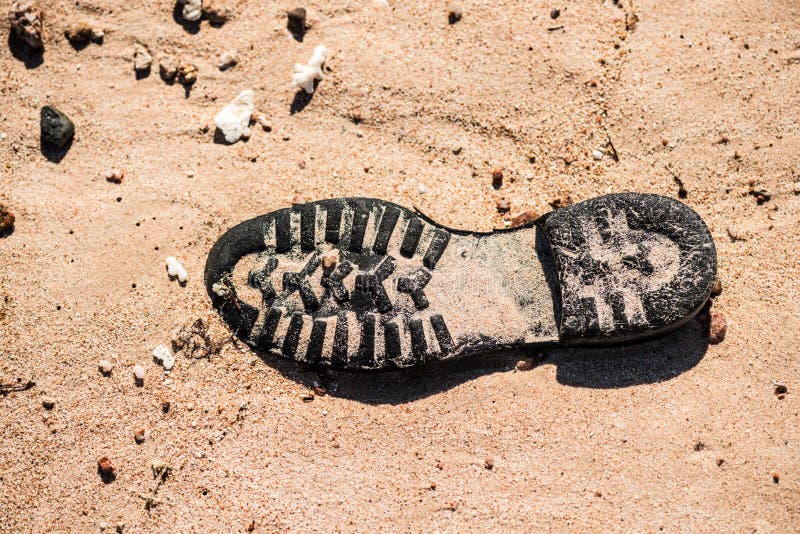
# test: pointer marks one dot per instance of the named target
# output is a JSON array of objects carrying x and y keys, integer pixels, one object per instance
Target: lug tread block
[
  {"x": 442, "y": 334},
  {"x": 411, "y": 237},
  {"x": 308, "y": 222},
  {"x": 265, "y": 337},
  {"x": 388, "y": 222},
  {"x": 436, "y": 248},
  {"x": 293, "y": 335},
  {"x": 391, "y": 337},
  {"x": 334, "y": 281},
  {"x": 340, "y": 342},
  {"x": 419, "y": 346},
  {"x": 317, "y": 340},
  {"x": 365, "y": 358},
  {"x": 359, "y": 227},
  {"x": 283, "y": 231},
  {"x": 333, "y": 221},
  {"x": 298, "y": 282}
]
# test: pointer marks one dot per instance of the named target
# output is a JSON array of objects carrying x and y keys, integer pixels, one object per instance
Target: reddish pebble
[
  {"x": 488, "y": 463},
  {"x": 561, "y": 201},
  {"x": 524, "y": 218},
  {"x": 6, "y": 219},
  {"x": 105, "y": 468},
  {"x": 497, "y": 178},
  {"x": 716, "y": 328}
]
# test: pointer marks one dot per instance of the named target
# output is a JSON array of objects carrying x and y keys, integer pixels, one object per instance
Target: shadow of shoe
[
  {"x": 612, "y": 367},
  {"x": 650, "y": 362}
]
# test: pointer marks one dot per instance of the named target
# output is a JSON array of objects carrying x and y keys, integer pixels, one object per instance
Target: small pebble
[
  {"x": 524, "y": 218},
  {"x": 78, "y": 32},
  {"x": 104, "y": 467},
  {"x": 142, "y": 60},
  {"x": 56, "y": 128},
  {"x": 138, "y": 436},
  {"x": 454, "y": 13},
  {"x": 228, "y": 60},
  {"x": 330, "y": 259},
  {"x": 422, "y": 189},
  {"x": 776, "y": 478},
  {"x": 120, "y": 528},
  {"x": 716, "y": 288},
  {"x": 555, "y": 13},
  {"x": 6, "y": 219},
  {"x": 497, "y": 178},
  {"x": 796, "y": 188},
  {"x": 26, "y": 23},
  {"x": 781, "y": 390},
  {"x": 561, "y": 201},
  {"x": 216, "y": 12},
  {"x": 138, "y": 373},
  {"x": 503, "y": 205},
  {"x": 168, "y": 68},
  {"x": 488, "y": 463},
  {"x": 525, "y": 364},
  {"x": 734, "y": 234},
  {"x": 262, "y": 121},
  {"x": 105, "y": 367},
  {"x": 115, "y": 176},
  {"x": 307, "y": 397},
  {"x": 597, "y": 155},
  {"x": 720, "y": 461},
  {"x": 187, "y": 73},
  {"x": 717, "y": 328},
  {"x": 296, "y": 21},
  {"x": 48, "y": 403}
]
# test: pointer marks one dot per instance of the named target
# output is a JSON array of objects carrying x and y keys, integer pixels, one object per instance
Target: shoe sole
[{"x": 362, "y": 284}]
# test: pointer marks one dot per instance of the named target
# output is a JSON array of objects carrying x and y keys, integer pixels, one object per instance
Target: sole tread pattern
[{"x": 340, "y": 316}]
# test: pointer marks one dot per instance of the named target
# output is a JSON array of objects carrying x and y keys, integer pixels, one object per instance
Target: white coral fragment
[
  {"x": 305, "y": 75},
  {"x": 234, "y": 119},
  {"x": 163, "y": 355},
  {"x": 192, "y": 10},
  {"x": 175, "y": 269}
]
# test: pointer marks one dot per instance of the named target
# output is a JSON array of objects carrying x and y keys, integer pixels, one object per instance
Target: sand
[{"x": 672, "y": 434}]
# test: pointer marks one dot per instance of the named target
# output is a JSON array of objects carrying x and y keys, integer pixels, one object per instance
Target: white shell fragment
[
  {"x": 175, "y": 269},
  {"x": 234, "y": 119},
  {"x": 163, "y": 354},
  {"x": 597, "y": 155},
  {"x": 305, "y": 75},
  {"x": 192, "y": 9}
]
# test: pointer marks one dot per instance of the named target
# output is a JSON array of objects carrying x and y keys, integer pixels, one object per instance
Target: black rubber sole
[{"x": 357, "y": 283}]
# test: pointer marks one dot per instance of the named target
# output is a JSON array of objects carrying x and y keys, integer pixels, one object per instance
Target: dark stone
[
  {"x": 555, "y": 13},
  {"x": 296, "y": 21},
  {"x": 57, "y": 129}
]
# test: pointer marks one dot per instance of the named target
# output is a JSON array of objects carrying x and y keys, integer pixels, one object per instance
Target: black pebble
[
  {"x": 57, "y": 129},
  {"x": 297, "y": 21},
  {"x": 555, "y": 13}
]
